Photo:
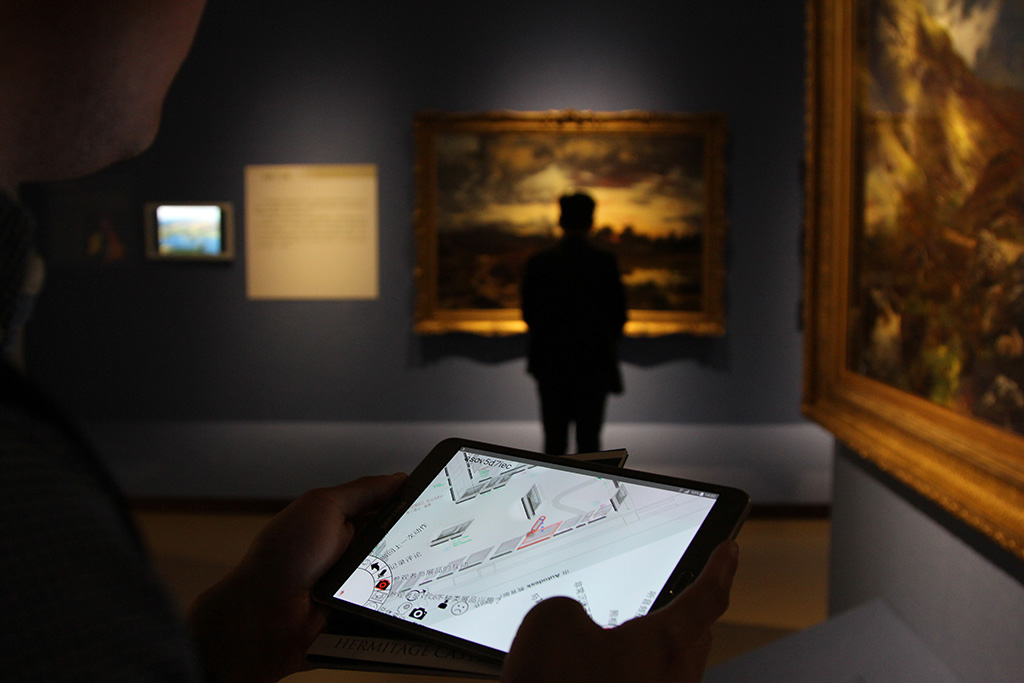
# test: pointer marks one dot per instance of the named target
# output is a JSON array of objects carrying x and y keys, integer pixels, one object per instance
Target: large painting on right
[
  {"x": 915, "y": 246},
  {"x": 939, "y": 289}
]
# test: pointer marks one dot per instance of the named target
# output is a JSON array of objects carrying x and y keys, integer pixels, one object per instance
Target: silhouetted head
[
  {"x": 577, "y": 213},
  {"x": 82, "y": 83}
]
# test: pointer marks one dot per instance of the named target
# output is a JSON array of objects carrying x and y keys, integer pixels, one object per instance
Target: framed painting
[
  {"x": 914, "y": 283},
  {"x": 487, "y": 198},
  {"x": 190, "y": 231}
]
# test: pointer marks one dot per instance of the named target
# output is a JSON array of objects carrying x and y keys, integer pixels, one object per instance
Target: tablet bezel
[{"x": 723, "y": 522}]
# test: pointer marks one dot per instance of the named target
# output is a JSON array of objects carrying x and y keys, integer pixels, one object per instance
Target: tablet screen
[{"x": 493, "y": 534}]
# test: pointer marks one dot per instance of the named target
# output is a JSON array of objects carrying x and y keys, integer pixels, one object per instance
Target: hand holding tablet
[
  {"x": 671, "y": 644},
  {"x": 480, "y": 534}
]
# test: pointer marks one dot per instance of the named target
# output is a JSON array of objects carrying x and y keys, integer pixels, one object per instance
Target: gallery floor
[{"x": 781, "y": 586}]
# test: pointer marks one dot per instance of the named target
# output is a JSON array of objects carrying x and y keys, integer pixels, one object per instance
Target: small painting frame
[{"x": 190, "y": 231}]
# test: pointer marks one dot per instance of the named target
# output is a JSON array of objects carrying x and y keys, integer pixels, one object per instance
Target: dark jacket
[{"x": 575, "y": 306}]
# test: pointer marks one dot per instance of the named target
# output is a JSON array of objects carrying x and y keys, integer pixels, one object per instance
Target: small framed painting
[{"x": 190, "y": 231}]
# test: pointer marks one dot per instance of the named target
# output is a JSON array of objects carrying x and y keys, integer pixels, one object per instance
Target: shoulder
[
  {"x": 70, "y": 550},
  {"x": 601, "y": 255},
  {"x": 543, "y": 259}
]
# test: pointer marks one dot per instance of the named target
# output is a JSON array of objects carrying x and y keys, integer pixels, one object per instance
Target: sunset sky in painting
[{"x": 512, "y": 181}]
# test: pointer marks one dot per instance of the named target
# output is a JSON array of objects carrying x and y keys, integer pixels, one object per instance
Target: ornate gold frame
[
  {"x": 970, "y": 468},
  {"x": 431, "y": 318}
]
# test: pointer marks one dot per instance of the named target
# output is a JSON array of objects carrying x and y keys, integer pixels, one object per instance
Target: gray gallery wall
[
  {"x": 965, "y": 608},
  {"x": 192, "y": 389}
]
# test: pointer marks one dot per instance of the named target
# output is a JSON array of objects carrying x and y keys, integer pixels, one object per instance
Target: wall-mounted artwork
[
  {"x": 190, "y": 231},
  {"x": 487, "y": 198},
  {"x": 915, "y": 252}
]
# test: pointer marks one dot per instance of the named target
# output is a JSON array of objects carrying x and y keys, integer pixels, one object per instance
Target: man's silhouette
[{"x": 575, "y": 306}]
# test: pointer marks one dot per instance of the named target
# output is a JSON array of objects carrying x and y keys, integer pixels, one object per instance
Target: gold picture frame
[
  {"x": 871, "y": 338},
  {"x": 487, "y": 189}
]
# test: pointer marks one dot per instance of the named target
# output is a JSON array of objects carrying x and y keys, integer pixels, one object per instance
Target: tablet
[{"x": 481, "y": 533}]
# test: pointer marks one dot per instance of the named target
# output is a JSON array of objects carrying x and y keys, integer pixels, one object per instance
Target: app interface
[{"x": 492, "y": 536}]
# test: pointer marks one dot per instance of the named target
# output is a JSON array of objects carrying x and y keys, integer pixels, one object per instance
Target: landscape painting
[
  {"x": 914, "y": 253},
  {"x": 190, "y": 231},
  {"x": 488, "y": 189},
  {"x": 938, "y": 306}
]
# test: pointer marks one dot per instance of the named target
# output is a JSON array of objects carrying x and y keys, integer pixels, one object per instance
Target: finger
[
  {"x": 557, "y": 614},
  {"x": 329, "y": 513},
  {"x": 356, "y": 497},
  {"x": 308, "y": 536},
  {"x": 548, "y": 634},
  {"x": 707, "y": 598},
  {"x": 720, "y": 569}
]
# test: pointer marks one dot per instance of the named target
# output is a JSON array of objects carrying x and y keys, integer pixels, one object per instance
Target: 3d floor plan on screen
[{"x": 492, "y": 536}]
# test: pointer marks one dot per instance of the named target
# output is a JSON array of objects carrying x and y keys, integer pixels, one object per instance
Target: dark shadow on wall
[
  {"x": 491, "y": 350},
  {"x": 649, "y": 352},
  {"x": 644, "y": 352}
]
